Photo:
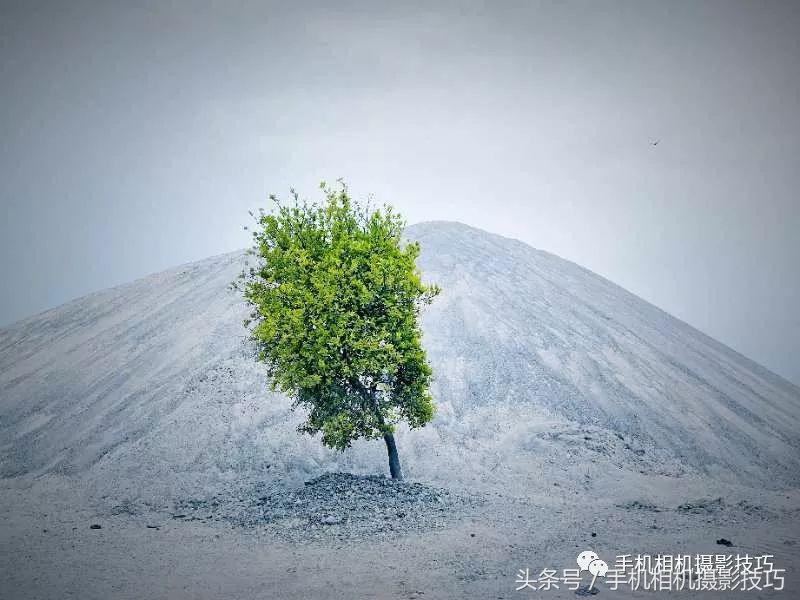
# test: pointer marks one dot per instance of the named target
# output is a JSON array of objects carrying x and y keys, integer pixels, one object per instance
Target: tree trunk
[{"x": 394, "y": 458}]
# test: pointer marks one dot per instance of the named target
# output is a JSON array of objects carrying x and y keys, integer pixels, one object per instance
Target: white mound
[{"x": 541, "y": 367}]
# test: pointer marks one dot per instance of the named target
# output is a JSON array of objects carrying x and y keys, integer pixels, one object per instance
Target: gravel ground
[{"x": 58, "y": 543}]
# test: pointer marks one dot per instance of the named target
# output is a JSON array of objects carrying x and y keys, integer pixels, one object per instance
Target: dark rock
[{"x": 585, "y": 590}]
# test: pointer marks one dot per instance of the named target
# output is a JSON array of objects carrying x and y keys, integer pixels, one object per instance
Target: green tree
[{"x": 336, "y": 296}]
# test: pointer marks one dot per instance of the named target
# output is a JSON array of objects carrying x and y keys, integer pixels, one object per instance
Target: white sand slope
[{"x": 539, "y": 364}]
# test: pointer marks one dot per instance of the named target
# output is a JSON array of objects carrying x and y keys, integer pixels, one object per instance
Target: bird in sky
[{"x": 655, "y": 143}]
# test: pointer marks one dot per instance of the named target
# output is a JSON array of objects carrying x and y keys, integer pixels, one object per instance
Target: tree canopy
[{"x": 336, "y": 296}]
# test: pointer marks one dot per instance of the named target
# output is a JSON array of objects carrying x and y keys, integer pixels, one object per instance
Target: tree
[{"x": 335, "y": 297}]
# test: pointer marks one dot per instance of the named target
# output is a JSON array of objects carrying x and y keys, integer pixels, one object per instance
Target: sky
[{"x": 135, "y": 136}]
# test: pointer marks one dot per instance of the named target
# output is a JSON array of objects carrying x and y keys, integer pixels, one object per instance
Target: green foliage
[{"x": 336, "y": 296}]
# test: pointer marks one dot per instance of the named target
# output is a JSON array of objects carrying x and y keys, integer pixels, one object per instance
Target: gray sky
[{"x": 135, "y": 136}]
